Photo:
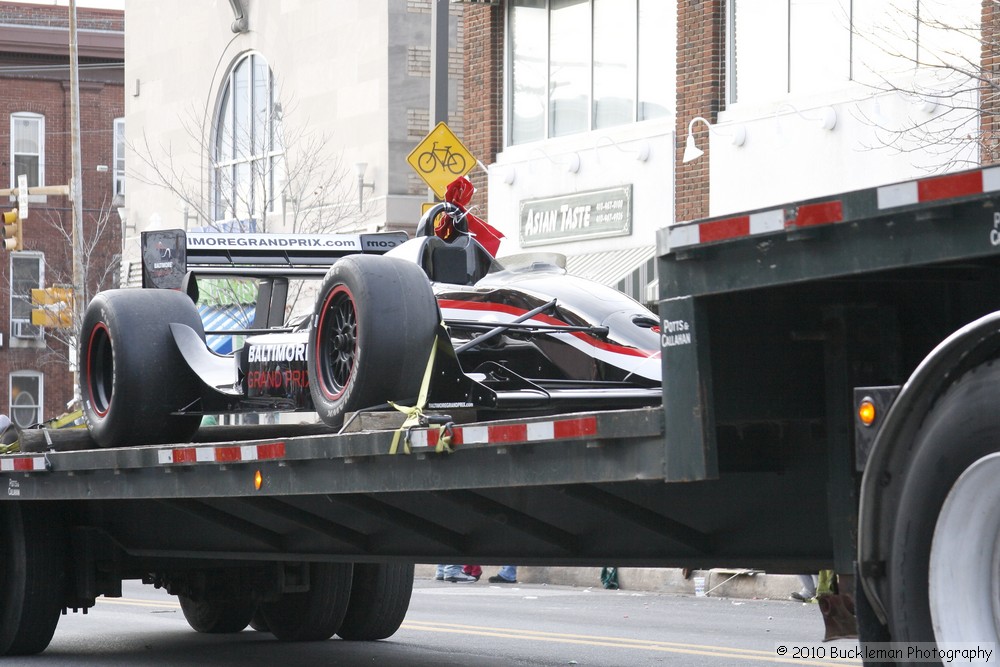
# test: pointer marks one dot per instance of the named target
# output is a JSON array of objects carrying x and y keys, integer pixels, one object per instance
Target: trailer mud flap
[
  {"x": 839, "y": 620},
  {"x": 689, "y": 436}
]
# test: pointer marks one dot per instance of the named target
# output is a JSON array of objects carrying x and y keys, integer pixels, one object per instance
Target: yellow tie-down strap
[{"x": 415, "y": 415}]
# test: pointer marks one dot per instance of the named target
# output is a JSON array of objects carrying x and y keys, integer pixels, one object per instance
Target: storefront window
[
  {"x": 802, "y": 46},
  {"x": 569, "y": 66},
  {"x": 578, "y": 65},
  {"x": 614, "y": 62},
  {"x": 656, "y": 49},
  {"x": 528, "y": 65}
]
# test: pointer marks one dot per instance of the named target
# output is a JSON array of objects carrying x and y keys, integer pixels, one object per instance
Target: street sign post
[
  {"x": 441, "y": 158},
  {"x": 22, "y": 196}
]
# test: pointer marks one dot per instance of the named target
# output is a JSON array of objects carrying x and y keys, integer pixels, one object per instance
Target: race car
[{"x": 433, "y": 322}]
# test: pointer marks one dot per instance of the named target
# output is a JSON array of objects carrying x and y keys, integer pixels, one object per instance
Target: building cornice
[{"x": 43, "y": 41}]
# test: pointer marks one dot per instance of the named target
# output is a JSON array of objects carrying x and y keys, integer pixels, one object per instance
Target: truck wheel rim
[{"x": 964, "y": 577}]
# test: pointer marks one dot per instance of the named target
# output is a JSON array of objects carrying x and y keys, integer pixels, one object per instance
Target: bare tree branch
[{"x": 942, "y": 80}]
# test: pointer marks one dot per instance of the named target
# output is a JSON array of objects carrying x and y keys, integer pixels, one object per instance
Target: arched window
[
  {"x": 247, "y": 150},
  {"x": 26, "y": 398}
]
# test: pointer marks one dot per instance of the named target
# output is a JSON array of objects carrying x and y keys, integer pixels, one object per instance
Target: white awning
[{"x": 632, "y": 270}]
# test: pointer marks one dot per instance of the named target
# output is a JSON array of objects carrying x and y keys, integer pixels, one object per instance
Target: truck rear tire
[
  {"x": 316, "y": 614},
  {"x": 380, "y": 596},
  {"x": 943, "y": 579},
  {"x": 217, "y": 616},
  {"x": 373, "y": 328},
  {"x": 32, "y": 577},
  {"x": 132, "y": 376}
]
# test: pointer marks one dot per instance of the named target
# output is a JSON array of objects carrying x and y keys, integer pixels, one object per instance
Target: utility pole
[
  {"x": 439, "y": 62},
  {"x": 439, "y": 67},
  {"x": 76, "y": 199}
]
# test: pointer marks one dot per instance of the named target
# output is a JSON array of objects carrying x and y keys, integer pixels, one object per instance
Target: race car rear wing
[{"x": 167, "y": 256}]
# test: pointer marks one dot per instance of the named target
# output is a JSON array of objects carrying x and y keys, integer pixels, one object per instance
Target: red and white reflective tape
[
  {"x": 22, "y": 463},
  {"x": 226, "y": 454},
  {"x": 762, "y": 222},
  {"x": 937, "y": 188},
  {"x": 931, "y": 189},
  {"x": 557, "y": 429}
]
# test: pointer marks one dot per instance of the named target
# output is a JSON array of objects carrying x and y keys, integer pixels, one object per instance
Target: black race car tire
[
  {"x": 316, "y": 614},
  {"x": 132, "y": 376},
  {"x": 380, "y": 596},
  {"x": 217, "y": 616},
  {"x": 372, "y": 331}
]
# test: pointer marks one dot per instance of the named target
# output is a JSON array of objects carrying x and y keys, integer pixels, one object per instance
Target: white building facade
[{"x": 278, "y": 116}]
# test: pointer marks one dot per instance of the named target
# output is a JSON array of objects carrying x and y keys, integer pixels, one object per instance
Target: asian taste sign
[{"x": 582, "y": 215}]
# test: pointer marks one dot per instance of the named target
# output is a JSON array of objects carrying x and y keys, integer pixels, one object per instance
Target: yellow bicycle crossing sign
[{"x": 441, "y": 158}]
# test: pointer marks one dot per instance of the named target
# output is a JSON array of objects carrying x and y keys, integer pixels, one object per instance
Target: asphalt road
[{"x": 465, "y": 624}]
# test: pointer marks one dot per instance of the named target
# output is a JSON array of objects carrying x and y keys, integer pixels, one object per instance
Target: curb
[{"x": 718, "y": 582}]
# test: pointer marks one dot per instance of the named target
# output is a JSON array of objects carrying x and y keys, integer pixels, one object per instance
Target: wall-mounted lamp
[
  {"x": 641, "y": 151},
  {"x": 508, "y": 174},
  {"x": 570, "y": 163},
  {"x": 359, "y": 170},
  {"x": 691, "y": 150},
  {"x": 877, "y": 114},
  {"x": 118, "y": 203},
  {"x": 826, "y": 117},
  {"x": 123, "y": 216},
  {"x": 573, "y": 164},
  {"x": 189, "y": 215}
]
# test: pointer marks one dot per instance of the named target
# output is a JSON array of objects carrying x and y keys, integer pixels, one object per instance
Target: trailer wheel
[
  {"x": 380, "y": 596},
  {"x": 217, "y": 616},
  {"x": 965, "y": 604},
  {"x": 373, "y": 328},
  {"x": 132, "y": 377},
  {"x": 944, "y": 578},
  {"x": 31, "y": 579},
  {"x": 316, "y": 614}
]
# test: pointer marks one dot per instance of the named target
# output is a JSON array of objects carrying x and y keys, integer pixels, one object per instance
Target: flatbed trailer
[
  {"x": 786, "y": 320},
  {"x": 773, "y": 324}
]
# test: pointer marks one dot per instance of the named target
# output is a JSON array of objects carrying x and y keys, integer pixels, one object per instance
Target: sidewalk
[{"x": 728, "y": 583}]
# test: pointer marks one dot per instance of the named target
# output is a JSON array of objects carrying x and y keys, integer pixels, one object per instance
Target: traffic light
[{"x": 12, "y": 235}]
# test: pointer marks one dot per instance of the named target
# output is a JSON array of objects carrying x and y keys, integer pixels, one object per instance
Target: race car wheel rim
[
  {"x": 100, "y": 364},
  {"x": 338, "y": 337}
]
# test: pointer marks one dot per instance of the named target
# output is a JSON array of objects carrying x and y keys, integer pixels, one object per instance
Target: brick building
[
  {"x": 782, "y": 101},
  {"x": 35, "y": 139}
]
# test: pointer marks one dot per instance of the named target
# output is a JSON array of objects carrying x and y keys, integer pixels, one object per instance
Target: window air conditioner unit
[{"x": 24, "y": 329}]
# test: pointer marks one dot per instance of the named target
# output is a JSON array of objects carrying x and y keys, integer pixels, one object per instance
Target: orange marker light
[
  {"x": 258, "y": 480},
  {"x": 866, "y": 411}
]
